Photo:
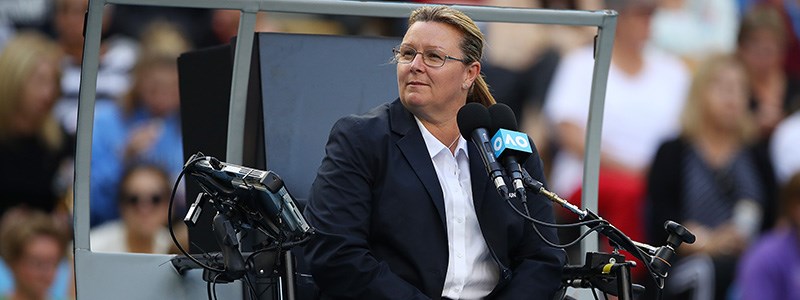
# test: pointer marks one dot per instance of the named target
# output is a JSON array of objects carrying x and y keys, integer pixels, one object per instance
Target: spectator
[
  {"x": 762, "y": 46},
  {"x": 33, "y": 247},
  {"x": 117, "y": 56},
  {"x": 143, "y": 202},
  {"x": 708, "y": 179},
  {"x": 789, "y": 17},
  {"x": 645, "y": 92},
  {"x": 34, "y": 151},
  {"x": 771, "y": 268},
  {"x": 144, "y": 127}
]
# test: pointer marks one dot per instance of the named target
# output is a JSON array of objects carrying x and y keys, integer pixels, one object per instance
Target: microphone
[
  {"x": 510, "y": 146},
  {"x": 473, "y": 119}
]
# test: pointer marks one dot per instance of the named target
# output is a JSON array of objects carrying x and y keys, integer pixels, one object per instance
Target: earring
[{"x": 465, "y": 86}]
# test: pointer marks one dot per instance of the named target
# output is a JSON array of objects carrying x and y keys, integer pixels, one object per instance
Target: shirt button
[
  {"x": 459, "y": 220},
  {"x": 460, "y": 255}
]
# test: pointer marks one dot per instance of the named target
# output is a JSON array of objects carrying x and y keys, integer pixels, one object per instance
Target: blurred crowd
[{"x": 701, "y": 121}]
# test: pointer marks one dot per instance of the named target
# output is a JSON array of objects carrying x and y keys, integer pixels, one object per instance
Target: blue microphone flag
[{"x": 508, "y": 141}]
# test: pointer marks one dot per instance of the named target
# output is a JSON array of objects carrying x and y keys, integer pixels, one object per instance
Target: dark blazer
[{"x": 378, "y": 209}]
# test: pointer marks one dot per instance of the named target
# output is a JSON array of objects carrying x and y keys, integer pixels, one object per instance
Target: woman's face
[
  {"x": 35, "y": 270},
  {"x": 39, "y": 92},
  {"x": 159, "y": 90},
  {"x": 427, "y": 90},
  {"x": 144, "y": 203},
  {"x": 761, "y": 51},
  {"x": 727, "y": 97}
]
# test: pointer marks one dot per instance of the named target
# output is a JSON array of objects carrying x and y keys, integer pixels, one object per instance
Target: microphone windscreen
[
  {"x": 502, "y": 117},
  {"x": 473, "y": 116}
]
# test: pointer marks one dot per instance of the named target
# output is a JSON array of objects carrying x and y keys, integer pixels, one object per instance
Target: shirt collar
[{"x": 435, "y": 146}]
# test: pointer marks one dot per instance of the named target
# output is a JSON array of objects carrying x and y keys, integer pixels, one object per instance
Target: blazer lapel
[{"x": 412, "y": 145}]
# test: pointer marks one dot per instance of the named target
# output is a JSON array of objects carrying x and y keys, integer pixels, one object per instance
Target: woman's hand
[
  {"x": 724, "y": 240},
  {"x": 142, "y": 138}
]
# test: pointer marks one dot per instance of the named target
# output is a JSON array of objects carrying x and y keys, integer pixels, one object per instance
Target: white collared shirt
[{"x": 471, "y": 271}]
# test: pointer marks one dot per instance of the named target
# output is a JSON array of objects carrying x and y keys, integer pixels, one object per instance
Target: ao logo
[{"x": 509, "y": 140}]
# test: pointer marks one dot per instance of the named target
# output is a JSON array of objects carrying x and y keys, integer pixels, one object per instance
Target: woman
[
  {"x": 34, "y": 150},
  {"x": 143, "y": 202},
  {"x": 710, "y": 179},
  {"x": 33, "y": 247},
  {"x": 398, "y": 199},
  {"x": 762, "y": 46},
  {"x": 144, "y": 128}
]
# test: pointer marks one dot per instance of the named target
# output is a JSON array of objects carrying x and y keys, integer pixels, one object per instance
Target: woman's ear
[{"x": 472, "y": 73}]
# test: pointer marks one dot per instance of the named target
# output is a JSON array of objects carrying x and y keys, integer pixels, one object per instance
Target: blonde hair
[
  {"x": 19, "y": 59},
  {"x": 163, "y": 38},
  {"x": 471, "y": 43},
  {"x": 695, "y": 109}
]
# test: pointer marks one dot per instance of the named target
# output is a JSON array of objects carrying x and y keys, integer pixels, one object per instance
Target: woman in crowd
[
  {"x": 33, "y": 245},
  {"x": 709, "y": 179},
  {"x": 762, "y": 44},
  {"x": 144, "y": 127},
  {"x": 143, "y": 202},
  {"x": 35, "y": 152}
]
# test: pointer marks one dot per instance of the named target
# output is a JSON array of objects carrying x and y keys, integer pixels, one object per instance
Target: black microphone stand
[{"x": 602, "y": 270}]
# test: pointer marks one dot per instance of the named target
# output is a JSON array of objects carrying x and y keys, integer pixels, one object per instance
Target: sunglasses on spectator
[{"x": 154, "y": 199}]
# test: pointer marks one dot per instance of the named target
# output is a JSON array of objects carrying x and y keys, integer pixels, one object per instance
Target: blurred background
[{"x": 701, "y": 127}]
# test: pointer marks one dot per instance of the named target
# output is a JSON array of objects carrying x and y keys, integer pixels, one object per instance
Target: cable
[
  {"x": 553, "y": 225},
  {"x": 601, "y": 225},
  {"x": 197, "y": 158},
  {"x": 594, "y": 293},
  {"x": 208, "y": 290},
  {"x": 250, "y": 287},
  {"x": 214, "y": 286}
]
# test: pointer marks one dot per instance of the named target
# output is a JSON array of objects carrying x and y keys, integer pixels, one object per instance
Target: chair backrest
[{"x": 307, "y": 83}]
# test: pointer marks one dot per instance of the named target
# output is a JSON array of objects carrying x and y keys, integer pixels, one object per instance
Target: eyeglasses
[
  {"x": 431, "y": 58},
  {"x": 154, "y": 199}
]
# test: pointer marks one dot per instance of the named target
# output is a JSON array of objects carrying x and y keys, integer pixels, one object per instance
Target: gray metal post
[{"x": 591, "y": 165}]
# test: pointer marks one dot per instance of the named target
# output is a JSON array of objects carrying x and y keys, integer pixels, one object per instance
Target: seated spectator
[
  {"x": 117, "y": 56},
  {"x": 143, "y": 202},
  {"x": 762, "y": 43},
  {"x": 143, "y": 128},
  {"x": 789, "y": 16},
  {"x": 645, "y": 92},
  {"x": 770, "y": 270},
  {"x": 35, "y": 152},
  {"x": 708, "y": 179},
  {"x": 33, "y": 247}
]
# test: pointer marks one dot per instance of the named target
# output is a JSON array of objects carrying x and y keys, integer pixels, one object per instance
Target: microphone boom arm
[{"x": 538, "y": 187}]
